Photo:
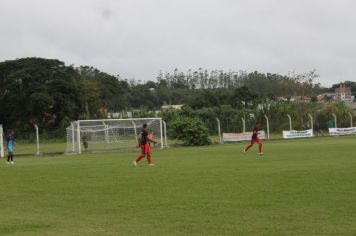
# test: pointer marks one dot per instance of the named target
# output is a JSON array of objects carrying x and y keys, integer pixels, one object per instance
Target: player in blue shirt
[{"x": 10, "y": 141}]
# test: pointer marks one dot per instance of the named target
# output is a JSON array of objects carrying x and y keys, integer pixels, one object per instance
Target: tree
[{"x": 191, "y": 131}]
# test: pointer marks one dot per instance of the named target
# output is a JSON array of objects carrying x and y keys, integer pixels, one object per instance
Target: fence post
[
  {"x": 351, "y": 121},
  {"x": 2, "y": 154},
  {"x": 73, "y": 137},
  {"x": 165, "y": 133},
  {"x": 290, "y": 122},
  {"x": 243, "y": 125},
  {"x": 335, "y": 120},
  {"x": 267, "y": 123},
  {"x": 161, "y": 129},
  {"x": 311, "y": 121},
  {"x": 37, "y": 141},
  {"x": 219, "y": 129},
  {"x": 78, "y": 138}
]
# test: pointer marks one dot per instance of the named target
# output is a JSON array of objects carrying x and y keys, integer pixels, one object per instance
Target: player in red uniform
[
  {"x": 145, "y": 147},
  {"x": 255, "y": 139}
]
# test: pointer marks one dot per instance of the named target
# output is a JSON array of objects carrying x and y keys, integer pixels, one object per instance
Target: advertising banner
[
  {"x": 298, "y": 133},
  {"x": 236, "y": 137},
  {"x": 342, "y": 131}
]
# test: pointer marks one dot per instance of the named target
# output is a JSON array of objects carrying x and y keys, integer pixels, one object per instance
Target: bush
[{"x": 191, "y": 131}]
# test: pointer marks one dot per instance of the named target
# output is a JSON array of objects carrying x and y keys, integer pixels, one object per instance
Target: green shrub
[{"x": 190, "y": 131}]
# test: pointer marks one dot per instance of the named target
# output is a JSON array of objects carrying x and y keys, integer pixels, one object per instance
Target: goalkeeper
[{"x": 145, "y": 138}]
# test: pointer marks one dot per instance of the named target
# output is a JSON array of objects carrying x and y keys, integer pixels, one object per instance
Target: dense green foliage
[
  {"x": 304, "y": 187},
  {"x": 50, "y": 94},
  {"x": 189, "y": 130},
  {"x": 268, "y": 85},
  {"x": 231, "y": 118}
]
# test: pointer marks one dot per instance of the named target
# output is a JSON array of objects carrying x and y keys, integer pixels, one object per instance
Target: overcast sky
[{"x": 138, "y": 38}]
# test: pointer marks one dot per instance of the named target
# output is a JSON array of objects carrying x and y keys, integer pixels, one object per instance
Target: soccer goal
[
  {"x": 111, "y": 134},
  {"x": 2, "y": 154}
]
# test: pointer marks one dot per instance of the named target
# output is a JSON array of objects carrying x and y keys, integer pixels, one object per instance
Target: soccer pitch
[{"x": 300, "y": 187}]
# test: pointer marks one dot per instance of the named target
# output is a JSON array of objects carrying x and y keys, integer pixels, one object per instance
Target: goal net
[
  {"x": 110, "y": 134},
  {"x": 2, "y": 154}
]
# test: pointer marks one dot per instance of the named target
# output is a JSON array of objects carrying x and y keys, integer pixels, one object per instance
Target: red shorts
[
  {"x": 256, "y": 140},
  {"x": 145, "y": 148}
]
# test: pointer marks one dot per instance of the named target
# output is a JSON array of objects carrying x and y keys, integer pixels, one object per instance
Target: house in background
[
  {"x": 175, "y": 107},
  {"x": 343, "y": 93}
]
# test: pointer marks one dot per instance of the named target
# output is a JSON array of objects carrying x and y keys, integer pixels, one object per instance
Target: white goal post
[
  {"x": 111, "y": 134},
  {"x": 2, "y": 153}
]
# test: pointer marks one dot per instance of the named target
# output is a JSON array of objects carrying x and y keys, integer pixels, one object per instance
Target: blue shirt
[{"x": 10, "y": 142}]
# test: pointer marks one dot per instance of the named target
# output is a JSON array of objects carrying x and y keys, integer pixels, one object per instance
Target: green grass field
[
  {"x": 25, "y": 148},
  {"x": 300, "y": 187}
]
